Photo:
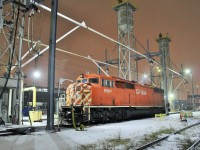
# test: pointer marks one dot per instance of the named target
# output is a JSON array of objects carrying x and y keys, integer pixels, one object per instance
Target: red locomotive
[{"x": 98, "y": 98}]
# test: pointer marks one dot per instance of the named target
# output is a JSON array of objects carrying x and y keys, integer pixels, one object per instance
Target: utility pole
[
  {"x": 188, "y": 71},
  {"x": 193, "y": 99}
]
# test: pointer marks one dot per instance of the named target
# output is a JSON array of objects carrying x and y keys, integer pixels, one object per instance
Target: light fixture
[
  {"x": 158, "y": 69},
  {"x": 145, "y": 76},
  {"x": 171, "y": 95},
  {"x": 36, "y": 74},
  {"x": 61, "y": 80},
  {"x": 187, "y": 71}
]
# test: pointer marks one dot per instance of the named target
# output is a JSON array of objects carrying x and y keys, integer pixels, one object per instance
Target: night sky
[{"x": 178, "y": 18}]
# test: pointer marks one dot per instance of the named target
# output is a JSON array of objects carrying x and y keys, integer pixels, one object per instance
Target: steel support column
[{"x": 51, "y": 67}]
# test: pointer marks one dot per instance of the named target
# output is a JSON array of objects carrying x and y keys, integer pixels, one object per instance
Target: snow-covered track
[
  {"x": 194, "y": 146},
  {"x": 148, "y": 145}
]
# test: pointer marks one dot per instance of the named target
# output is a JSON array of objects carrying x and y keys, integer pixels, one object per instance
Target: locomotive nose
[{"x": 78, "y": 94}]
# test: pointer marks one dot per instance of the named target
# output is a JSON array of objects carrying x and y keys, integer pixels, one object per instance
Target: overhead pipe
[
  {"x": 58, "y": 40},
  {"x": 68, "y": 52},
  {"x": 178, "y": 85},
  {"x": 98, "y": 66},
  {"x": 103, "y": 35}
]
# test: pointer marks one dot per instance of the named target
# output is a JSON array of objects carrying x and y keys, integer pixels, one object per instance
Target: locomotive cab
[
  {"x": 86, "y": 79},
  {"x": 79, "y": 98}
]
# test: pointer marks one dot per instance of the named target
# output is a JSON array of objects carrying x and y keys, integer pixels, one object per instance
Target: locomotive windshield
[
  {"x": 94, "y": 80},
  {"x": 82, "y": 81},
  {"x": 90, "y": 80}
]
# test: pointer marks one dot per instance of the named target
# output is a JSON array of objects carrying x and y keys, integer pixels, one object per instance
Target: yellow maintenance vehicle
[{"x": 34, "y": 115}]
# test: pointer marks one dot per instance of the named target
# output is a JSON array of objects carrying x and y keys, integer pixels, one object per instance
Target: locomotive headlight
[
  {"x": 84, "y": 85},
  {"x": 86, "y": 91}
]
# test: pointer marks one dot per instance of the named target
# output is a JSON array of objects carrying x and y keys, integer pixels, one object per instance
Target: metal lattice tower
[
  {"x": 163, "y": 43},
  {"x": 7, "y": 18},
  {"x": 12, "y": 20},
  {"x": 127, "y": 66},
  {"x": 166, "y": 75}
]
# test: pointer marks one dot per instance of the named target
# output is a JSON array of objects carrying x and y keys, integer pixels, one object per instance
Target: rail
[
  {"x": 194, "y": 146},
  {"x": 163, "y": 138}
]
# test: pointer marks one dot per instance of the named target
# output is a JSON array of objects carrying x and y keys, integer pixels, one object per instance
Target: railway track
[
  {"x": 155, "y": 142},
  {"x": 195, "y": 145}
]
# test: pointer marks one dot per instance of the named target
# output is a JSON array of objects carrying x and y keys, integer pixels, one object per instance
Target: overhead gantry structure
[{"x": 125, "y": 42}]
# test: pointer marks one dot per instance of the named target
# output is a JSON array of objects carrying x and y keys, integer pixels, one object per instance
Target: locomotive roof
[
  {"x": 103, "y": 76},
  {"x": 111, "y": 78}
]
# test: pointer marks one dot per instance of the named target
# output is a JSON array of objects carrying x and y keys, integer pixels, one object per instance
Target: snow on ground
[{"x": 69, "y": 138}]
